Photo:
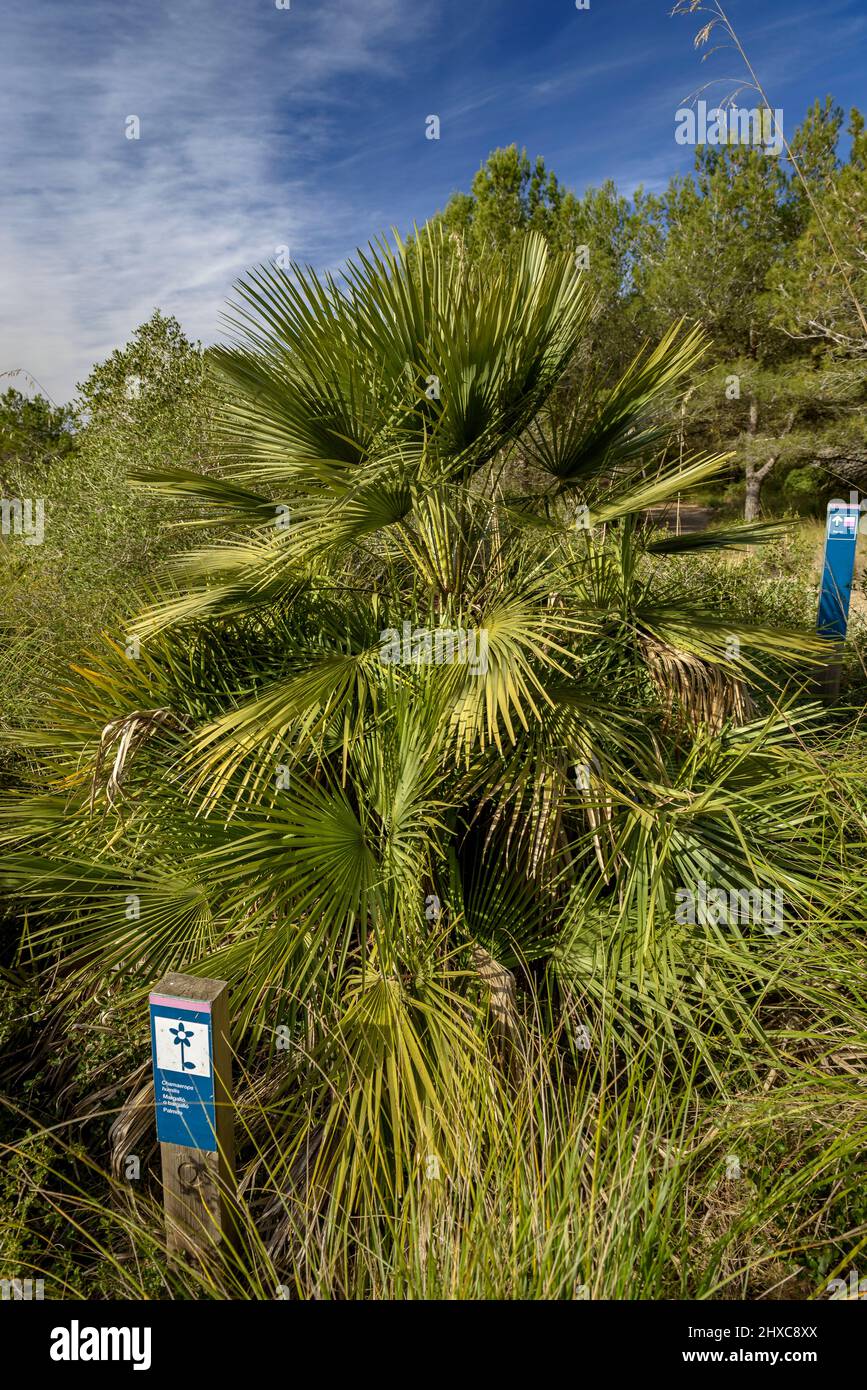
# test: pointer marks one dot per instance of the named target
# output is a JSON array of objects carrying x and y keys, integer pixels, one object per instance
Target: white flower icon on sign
[{"x": 181, "y": 1046}]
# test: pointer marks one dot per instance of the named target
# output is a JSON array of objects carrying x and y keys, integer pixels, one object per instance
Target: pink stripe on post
[{"x": 201, "y": 1006}]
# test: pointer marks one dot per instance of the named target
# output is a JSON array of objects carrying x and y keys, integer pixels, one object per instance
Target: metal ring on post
[{"x": 199, "y": 1171}]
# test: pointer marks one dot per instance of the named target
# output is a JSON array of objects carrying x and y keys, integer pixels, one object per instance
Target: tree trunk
[
  {"x": 756, "y": 476},
  {"x": 753, "y": 496}
]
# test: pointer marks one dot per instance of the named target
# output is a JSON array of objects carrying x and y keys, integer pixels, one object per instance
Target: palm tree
[{"x": 389, "y": 854}]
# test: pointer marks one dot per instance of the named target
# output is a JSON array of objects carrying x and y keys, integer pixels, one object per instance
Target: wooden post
[{"x": 192, "y": 1065}]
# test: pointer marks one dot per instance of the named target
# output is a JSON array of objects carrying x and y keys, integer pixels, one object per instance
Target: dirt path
[{"x": 685, "y": 518}]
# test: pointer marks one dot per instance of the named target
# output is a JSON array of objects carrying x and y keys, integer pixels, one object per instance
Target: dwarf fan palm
[{"x": 374, "y": 846}]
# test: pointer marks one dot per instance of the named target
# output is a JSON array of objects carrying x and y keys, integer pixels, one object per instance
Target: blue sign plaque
[
  {"x": 841, "y": 538},
  {"x": 183, "y": 1064}
]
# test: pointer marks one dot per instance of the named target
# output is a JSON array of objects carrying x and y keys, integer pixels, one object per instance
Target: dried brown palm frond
[
  {"x": 699, "y": 692},
  {"x": 288, "y": 1216},
  {"x": 125, "y": 734},
  {"x": 546, "y": 818},
  {"x": 499, "y": 985},
  {"x": 132, "y": 1130}
]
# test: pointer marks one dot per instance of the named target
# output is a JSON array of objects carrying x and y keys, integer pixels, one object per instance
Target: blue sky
[{"x": 263, "y": 127}]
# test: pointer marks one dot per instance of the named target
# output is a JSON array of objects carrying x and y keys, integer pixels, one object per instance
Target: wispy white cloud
[{"x": 236, "y": 103}]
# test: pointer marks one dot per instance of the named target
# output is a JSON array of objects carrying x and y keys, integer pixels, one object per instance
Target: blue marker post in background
[
  {"x": 192, "y": 1066},
  {"x": 838, "y": 569}
]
